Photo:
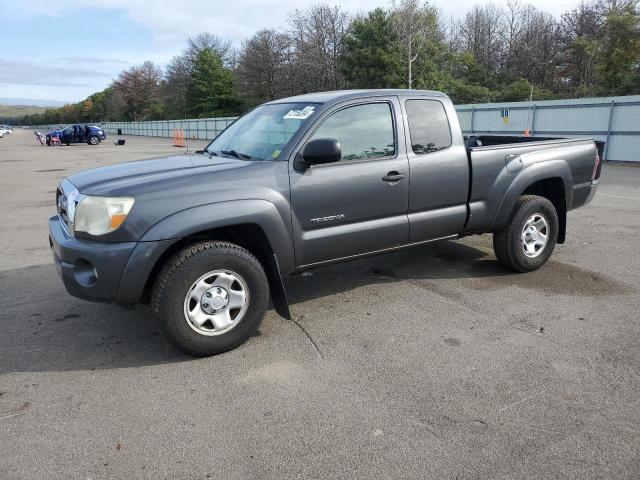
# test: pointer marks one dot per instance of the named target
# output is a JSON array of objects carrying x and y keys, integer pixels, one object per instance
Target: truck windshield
[{"x": 262, "y": 133}]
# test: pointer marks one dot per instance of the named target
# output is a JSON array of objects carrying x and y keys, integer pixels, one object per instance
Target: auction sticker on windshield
[{"x": 300, "y": 114}]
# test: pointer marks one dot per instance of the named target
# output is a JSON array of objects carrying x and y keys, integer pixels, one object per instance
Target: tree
[
  {"x": 494, "y": 53},
  {"x": 138, "y": 92},
  {"x": 619, "y": 55},
  {"x": 580, "y": 29},
  {"x": 208, "y": 41},
  {"x": 481, "y": 35},
  {"x": 372, "y": 58},
  {"x": 416, "y": 25},
  {"x": 537, "y": 48},
  {"x": 176, "y": 84},
  {"x": 262, "y": 66},
  {"x": 317, "y": 36},
  {"x": 212, "y": 91},
  {"x": 180, "y": 69}
]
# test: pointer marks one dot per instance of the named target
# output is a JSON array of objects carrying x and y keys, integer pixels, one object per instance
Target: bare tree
[
  {"x": 208, "y": 41},
  {"x": 580, "y": 30},
  {"x": 175, "y": 86},
  {"x": 481, "y": 31},
  {"x": 317, "y": 36},
  {"x": 513, "y": 26},
  {"x": 416, "y": 25},
  {"x": 538, "y": 47},
  {"x": 262, "y": 66},
  {"x": 138, "y": 90}
]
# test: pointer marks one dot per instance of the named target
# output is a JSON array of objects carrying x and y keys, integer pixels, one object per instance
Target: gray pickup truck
[{"x": 302, "y": 182}]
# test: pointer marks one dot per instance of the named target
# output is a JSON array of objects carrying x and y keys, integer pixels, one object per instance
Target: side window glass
[
  {"x": 428, "y": 126},
  {"x": 364, "y": 131}
]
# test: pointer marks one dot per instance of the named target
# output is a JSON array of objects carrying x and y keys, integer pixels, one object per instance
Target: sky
[{"x": 61, "y": 51}]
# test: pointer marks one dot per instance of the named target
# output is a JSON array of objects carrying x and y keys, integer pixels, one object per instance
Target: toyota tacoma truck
[{"x": 298, "y": 183}]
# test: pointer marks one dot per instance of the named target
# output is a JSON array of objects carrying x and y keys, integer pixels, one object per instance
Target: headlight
[{"x": 100, "y": 215}]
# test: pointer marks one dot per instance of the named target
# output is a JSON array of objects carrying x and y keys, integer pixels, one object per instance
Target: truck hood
[
  {"x": 128, "y": 178},
  {"x": 166, "y": 186}
]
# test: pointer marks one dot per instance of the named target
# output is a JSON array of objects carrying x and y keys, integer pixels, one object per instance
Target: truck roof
[{"x": 340, "y": 95}]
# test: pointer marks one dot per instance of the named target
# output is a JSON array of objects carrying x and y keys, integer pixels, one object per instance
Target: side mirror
[{"x": 320, "y": 151}]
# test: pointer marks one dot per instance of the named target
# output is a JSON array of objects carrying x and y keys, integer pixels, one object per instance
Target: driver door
[{"x": 359, "y": 204}]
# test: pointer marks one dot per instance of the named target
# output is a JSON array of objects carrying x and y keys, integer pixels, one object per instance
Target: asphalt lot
[{"x": 429, "y": 363}]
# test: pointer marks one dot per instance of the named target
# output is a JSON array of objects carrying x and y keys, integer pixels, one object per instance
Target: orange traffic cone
[
  {"x": 527, "y": 133},
  {"x": 178, "y": 137}
]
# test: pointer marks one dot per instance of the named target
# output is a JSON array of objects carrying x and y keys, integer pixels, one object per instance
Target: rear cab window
[{"x": 428, "y": 126}]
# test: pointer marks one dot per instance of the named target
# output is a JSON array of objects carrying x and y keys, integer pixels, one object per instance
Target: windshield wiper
[
  {"x": 233, "y": 153},
  {"x": 211, "y": 153}
]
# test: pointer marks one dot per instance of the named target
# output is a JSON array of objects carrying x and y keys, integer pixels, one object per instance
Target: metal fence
[
  {"x": 198, "y": 129},
  {"x": 615, "y": 120}
]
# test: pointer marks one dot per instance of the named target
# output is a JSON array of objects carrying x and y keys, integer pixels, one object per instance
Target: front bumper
[
  {"x": 89, "y": 270},
  {"x": 102, "y": 271}
]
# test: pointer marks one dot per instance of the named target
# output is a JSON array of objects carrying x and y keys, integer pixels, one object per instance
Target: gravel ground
[{"x": 433, "y": 362}]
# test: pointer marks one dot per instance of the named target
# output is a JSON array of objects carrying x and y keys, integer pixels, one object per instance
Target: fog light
[{"x": 85, "y": 273}]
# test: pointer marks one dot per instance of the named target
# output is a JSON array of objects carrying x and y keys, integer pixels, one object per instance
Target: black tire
[
  {"x": 508, "y": 244},
  {"x": 93, "y": 140},
  {"x": 48, "y": 142},
  {"x": 177, "y": 276}
]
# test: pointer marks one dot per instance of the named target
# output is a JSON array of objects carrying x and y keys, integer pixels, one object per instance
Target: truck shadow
[
  {"x": 52, "y": 331},
  {"x": 440, "y": 260},
  {"x": 474, "y": 268}
]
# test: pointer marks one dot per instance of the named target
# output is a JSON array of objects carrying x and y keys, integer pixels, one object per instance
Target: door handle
[{"x": 394, "y": 176}]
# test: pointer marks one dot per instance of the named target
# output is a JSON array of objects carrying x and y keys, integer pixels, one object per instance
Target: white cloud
[
  {"x": 171, "y": 23},
  {"x": 39, "y": 74}
]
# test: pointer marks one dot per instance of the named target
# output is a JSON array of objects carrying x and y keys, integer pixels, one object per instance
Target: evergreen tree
[
  {"x": 212, "y": 91},
  {"x": 619, "y": 65},
  {"x": 372, "y": 58}
]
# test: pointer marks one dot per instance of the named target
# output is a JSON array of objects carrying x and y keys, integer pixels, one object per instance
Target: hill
[{"x": 12, "y": 111}]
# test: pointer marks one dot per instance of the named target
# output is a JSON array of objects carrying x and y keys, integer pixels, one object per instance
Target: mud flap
[{"x": 276, "y": 286}]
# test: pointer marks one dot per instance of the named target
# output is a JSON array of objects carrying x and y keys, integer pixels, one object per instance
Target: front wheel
[
  {"x": 94, "y": 140},
  {"x": 527, "y": 242},
  {"x": 210, "y": 297}
]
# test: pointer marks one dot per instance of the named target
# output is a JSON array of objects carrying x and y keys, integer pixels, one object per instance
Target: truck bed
[
  {"x": 474, "y": 141},
  {"x": 496, "y": 162}
]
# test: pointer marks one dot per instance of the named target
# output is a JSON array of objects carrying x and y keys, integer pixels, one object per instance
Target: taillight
[{"x": 595, "y": 166}]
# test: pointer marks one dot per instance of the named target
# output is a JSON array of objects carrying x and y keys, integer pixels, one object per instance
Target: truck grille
[
  {"x": 67, "y": 198},
  {"x": 62, "y": 206}
]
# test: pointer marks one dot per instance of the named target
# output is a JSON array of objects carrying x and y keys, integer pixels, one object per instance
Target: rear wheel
[
  {"x": 210, "y": 297},
  {"x": 527, "y": 242}
]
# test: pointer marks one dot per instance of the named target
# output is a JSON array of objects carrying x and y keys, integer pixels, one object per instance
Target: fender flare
[
  {"x": 170, "y": 230},
  {"x": 527, "y": 177}
]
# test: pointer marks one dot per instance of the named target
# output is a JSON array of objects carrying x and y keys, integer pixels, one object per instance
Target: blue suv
[{"x": 78, "y": 134}]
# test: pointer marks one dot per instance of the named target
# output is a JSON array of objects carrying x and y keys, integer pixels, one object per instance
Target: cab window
[
  {"x": 364, "y": 131},
  {"x": 428, "y": 126}
]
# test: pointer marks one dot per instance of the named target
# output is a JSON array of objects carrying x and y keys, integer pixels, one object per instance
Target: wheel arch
[
  {"x": 261, "y": 233},
  {"x": 249, "y": 236},
  {"x": 552, "y": 180},
  {"x": 553, "y": 190}
]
